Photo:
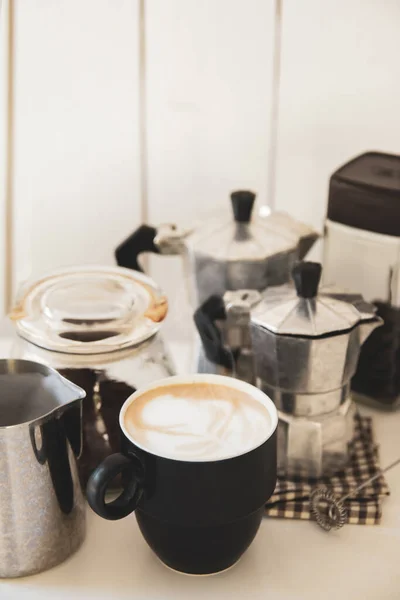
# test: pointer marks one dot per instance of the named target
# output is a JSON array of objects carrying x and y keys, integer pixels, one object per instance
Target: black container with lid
[
  {"x": 365, "y": 193},
  {"x": 362, "y": 254}
]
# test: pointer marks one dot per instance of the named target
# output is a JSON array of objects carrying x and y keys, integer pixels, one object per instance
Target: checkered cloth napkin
[{"x": 291, "y": 498}]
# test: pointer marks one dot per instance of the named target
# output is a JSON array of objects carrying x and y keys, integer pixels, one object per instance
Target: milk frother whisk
[{"x": 336, "y": 515}]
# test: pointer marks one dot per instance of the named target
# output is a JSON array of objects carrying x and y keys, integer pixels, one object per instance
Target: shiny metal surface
[
  {"x": 258, "y": 239},
  {"x": 170, "y": 238},
  {"x": 318, "y": 446},
  {"x": 307, "y": 365},
  {"x": 42, "y": 508},
  {"x": 305, "y": 348},
  {"x": 224, "y": 254},
  {"x": 283, "y": 312},
  {"x": 306, "y": 405},
  {"x": 308, "y": 374}
]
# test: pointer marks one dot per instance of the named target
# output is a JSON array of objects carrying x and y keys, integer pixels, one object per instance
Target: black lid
[
  {"x": 242, "y": 204},
  {"x": 365, "y": 193}
]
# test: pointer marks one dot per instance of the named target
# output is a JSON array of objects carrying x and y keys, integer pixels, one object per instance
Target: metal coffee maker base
[
  {"x": 315, "y": 447},
  {"x": 306, "y": 405}
]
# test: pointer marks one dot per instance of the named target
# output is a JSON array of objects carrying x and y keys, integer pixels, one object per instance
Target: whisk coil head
[{"x": 327, "y": 510}]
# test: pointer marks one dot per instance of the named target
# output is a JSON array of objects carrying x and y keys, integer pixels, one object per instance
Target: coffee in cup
[
  {"x": 196, "y": 422},
  {"x": 198, "y": 465}
]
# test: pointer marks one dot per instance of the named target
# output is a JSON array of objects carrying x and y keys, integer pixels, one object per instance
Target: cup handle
[{"x": 102, "y": 476}]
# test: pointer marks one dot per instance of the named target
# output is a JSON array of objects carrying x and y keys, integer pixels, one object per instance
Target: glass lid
[
  {"x": 90, "y": 310},
  {"x": 250, "y": 238},
  {"x": 302, "y": 310}
]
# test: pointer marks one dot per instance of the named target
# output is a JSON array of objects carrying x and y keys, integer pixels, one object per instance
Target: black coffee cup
[{"x": 198, "y": 516}]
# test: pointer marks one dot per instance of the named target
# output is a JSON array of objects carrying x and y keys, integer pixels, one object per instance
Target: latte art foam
[{"x": 197, "y": 421}]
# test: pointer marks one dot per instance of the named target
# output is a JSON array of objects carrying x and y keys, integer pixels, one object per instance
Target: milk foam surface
[{"x": 197, "y": 422}]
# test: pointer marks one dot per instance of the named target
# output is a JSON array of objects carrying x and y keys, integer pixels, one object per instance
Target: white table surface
[{"x": 287, "y": 560}]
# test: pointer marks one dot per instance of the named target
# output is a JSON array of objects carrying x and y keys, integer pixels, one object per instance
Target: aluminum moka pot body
[
  {"x": 301, "y": 346},
  {"x": 243, "y": 252}
]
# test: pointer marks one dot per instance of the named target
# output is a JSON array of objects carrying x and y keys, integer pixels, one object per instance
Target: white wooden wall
[
  {"x": 4, "y": 63},
  {"x": 132, "y": 110},
  {"x": 340, "y": 93}
]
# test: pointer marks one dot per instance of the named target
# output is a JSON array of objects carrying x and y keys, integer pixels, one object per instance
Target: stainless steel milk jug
[{"x": 42, "y": 508}]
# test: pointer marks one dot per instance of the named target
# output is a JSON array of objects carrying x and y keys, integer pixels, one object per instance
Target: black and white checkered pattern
[{"x": 291, "y": 496}]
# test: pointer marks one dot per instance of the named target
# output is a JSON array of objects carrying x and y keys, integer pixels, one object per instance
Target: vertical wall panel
[
  {"x": 340, "y": 94},
  {"x": 76, "y": 170},
  {"x": 4, "y": 64},
  {"x": 209, "y": 73}
]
